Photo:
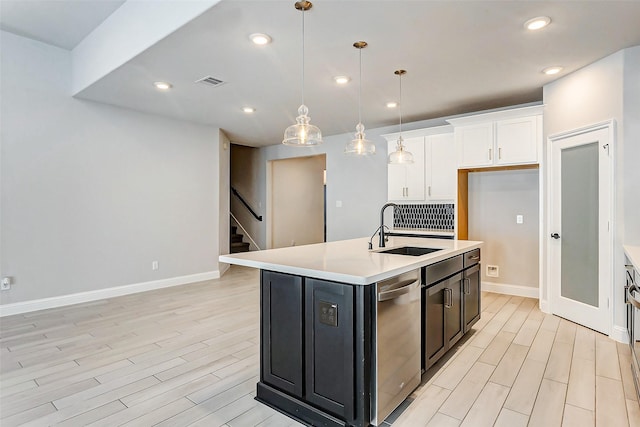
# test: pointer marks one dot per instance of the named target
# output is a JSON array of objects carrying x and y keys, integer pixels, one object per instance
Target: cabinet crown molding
[
  {"x": 417, "y": 133},
  {"x": 512, "y": 113}
]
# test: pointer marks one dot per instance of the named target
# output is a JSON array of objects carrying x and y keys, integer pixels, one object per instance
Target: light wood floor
[{"x": 188, "y": 356}]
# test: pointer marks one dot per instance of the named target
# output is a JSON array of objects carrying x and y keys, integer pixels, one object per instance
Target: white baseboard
[
  {"x": 63, "y": 300},
  {"x": 620, "y": 334},
  {"x": 507, "y": 289}
]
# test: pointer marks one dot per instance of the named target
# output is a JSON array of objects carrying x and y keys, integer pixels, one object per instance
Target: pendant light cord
[
  {"x": 400, "y": 105},
  {"x": 360, "y": 89},
  {"x": 303, "y": 56}
]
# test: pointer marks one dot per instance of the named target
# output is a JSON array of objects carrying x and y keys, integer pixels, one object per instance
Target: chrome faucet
[{"x": 381, "y": 243}]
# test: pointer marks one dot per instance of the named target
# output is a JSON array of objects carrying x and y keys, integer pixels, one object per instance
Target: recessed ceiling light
[
  {"x": 552, "y": 70},
  {"x": 162, "y": 85},
  {"x": 392, "y": 104},
  {"x": 537, "y": 23},
  {"x": 259, "y": 38},
  {"x": 342, "y": 80},
  {"x": 248, "y": 110}
]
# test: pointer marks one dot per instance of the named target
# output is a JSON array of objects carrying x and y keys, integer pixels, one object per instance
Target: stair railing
[
  {"x": 244, "y": 202},
  {"x": 246, "y": 233}
]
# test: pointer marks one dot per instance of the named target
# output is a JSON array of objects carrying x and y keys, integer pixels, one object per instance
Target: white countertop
[
  {"x": 633, "y": 254},
  {"x": 349, "y": 261}
]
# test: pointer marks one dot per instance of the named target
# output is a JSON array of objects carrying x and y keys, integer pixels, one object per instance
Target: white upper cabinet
[
  {"x": 517, "y": 140},
  {"x": 406, "y": 182},
  {"x": 501, "y": 138},
  {"x": 475, "y": 144},
  {"x": 441, "y": 167},
  {"x": 433, "y": 175}
]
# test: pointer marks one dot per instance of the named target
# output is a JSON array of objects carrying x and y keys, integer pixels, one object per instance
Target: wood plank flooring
[{"x": 188, "y": 356}]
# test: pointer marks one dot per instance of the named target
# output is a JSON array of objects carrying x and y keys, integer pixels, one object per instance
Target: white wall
[
  {"x": 92, "y": 194},
  {"x": 495, "y": 198},
  {"x": 631, "y": 132},
  {"x": 360, "y": 183},
  {"x": 590, "y": 95},
  {"x": 606, "y": 89}
]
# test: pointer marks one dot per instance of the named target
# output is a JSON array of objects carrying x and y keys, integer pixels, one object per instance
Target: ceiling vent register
[{"x": 210, "y": 81}]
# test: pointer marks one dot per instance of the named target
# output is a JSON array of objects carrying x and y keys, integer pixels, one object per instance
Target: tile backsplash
[{"x": 428, "y": 217}]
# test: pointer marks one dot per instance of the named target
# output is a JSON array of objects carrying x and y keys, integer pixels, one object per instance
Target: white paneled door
[{"x": 580, "y": 235}]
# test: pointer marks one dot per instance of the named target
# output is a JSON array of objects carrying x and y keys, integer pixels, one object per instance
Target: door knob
[{"x": 555, "y": 235}]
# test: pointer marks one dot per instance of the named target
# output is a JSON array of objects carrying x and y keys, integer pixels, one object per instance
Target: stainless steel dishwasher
[{"x": 397, "y": 356}]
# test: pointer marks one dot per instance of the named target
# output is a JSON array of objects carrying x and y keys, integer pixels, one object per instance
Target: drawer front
[
  {"x": 471, "y": 258},
  {"x": 443, "y": 269}
]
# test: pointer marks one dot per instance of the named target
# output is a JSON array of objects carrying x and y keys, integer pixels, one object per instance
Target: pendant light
[
  {"x": 360, "y": 146},
  {"x": 303, "y": 133},
  {"x": 400, "y": 156}
]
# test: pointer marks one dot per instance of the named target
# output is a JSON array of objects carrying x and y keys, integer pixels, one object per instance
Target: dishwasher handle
[
  {"x": 400, "y": 288},
  {"x": 630, "y": 298}
]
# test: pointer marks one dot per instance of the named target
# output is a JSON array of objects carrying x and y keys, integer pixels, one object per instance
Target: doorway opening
[{"x": 296, "y": 201}]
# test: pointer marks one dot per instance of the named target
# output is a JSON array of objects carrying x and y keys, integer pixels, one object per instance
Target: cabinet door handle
[
  {"x": 448, "y": 297},
  {"x": 429, "y": 191},
  {"x": 407, "y": 191},
  {"x": 499, "y": 153},
  {"x": 490, "y": 158},
  {"x": 467, "y": 286}
]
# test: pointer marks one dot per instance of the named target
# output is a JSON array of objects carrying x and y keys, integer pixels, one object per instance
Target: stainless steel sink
[{"x": 410, "y": 250}]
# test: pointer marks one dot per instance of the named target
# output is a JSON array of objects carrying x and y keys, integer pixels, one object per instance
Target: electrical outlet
[
  {"x": 6, "y": 283},
  {"x": 493, "y": 271},
  {"x": 154, "y": 265},
  {"x": 519, "y": 219}
]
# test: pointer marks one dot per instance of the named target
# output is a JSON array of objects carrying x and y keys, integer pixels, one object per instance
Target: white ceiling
[
  {"x": 62, "y": 23},
  {"x": 461, "y": 56}
]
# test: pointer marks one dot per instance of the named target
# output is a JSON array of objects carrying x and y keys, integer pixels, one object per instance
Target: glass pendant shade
[
  {"x": 400, "y": 156},
  {"x": 360, "y": 146},
  {"x": 303, "y": 133}
]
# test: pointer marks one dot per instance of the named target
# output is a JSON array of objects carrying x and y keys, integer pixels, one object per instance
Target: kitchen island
[{"x": 347, "y": 331}]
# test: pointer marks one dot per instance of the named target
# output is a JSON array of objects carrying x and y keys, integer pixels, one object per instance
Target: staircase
[{"x": 237, "y": 245}]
